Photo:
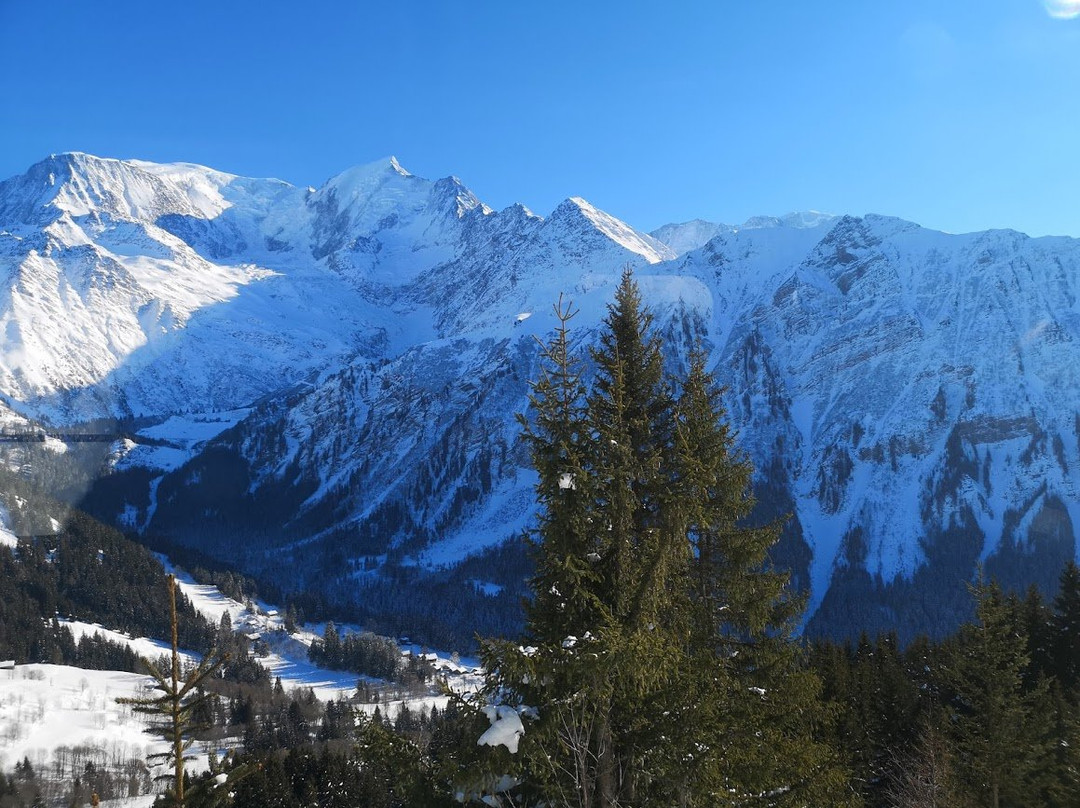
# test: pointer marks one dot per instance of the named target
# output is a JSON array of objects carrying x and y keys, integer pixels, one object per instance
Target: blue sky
[{"x": 960, "y": 115}]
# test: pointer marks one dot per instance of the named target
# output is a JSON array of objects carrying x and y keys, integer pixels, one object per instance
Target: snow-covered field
[
  {"x": 47, "y": 712},
  {"x": 7, "y": 538},
  {"x": 143, "y": 646}
]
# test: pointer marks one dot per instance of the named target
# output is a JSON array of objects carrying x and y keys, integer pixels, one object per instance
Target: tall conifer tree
[
  {"x": 660, "y": 662},
  {"x": 991, "y": 713},
  {"x": 566, "y": 583},
  {"x": 172, "y": 710},
  {"x": 1065, "y": 630}
]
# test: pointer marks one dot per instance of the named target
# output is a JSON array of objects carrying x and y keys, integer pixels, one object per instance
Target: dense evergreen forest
[
  {"x": 988, "y": 717},
  {"x": 995, "y": 706},
  {"x": 87, "y": 571}
]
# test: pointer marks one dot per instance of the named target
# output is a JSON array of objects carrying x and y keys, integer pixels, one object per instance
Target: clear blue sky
[{"x": 961, "y": 115}]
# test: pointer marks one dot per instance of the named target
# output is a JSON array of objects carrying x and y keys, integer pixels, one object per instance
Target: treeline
[
  {"x": 207, "y": 570},
  {"x": 90, "y": 572},
  {"x": 377, "y": 763},
  {"x": 988, "y": 717},
  {"x": 364, "y": 653},
  {"x": 21, "y": 789},
  {"x": 299, "y": 752},
  {"x": 442, "y": 609},
  {"x": 369, "y": 654}
]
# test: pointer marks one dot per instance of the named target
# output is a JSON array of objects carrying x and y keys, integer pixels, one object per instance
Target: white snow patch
[
  {"x": 55, "y": 445},
  {"x": 7, "y": 538},
  {"x": 192, "y": 430},
  {"x": 506, "y": 728},
  {"x": 143, "y": 646}
]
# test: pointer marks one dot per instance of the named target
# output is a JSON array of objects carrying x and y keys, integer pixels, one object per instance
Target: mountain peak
[
  {"x": 799, "y": 219},
  {"x": 77, "y": 158},
  {"x": 383, "y": 166},
  {"x": 452, "y": 191},
  {"x": 577, "y": 214},
  {"x": 78, "y": 184},
  {"x": 366, "y": 179},
  {"x": 57, "y": 168},
  {"x": 806, "y": 218},
  {"x": 687, "y": 236}
]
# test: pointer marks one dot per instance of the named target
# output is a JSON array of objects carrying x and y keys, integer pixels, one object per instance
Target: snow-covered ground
[
  {"x": 288, "y": 656},
  {"x": 173, "y": 441},
  {"x": 47, "y": 710},
  {"x": 143, "y": 646}
]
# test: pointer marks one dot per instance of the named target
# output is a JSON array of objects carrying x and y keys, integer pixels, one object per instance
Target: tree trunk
[{"x": 177, "y": 720}]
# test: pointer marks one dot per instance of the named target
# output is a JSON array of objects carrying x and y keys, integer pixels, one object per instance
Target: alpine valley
[{"x": 320, "y": 386}]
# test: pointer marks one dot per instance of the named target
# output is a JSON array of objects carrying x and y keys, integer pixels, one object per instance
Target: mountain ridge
[{"x": 906, "y": 395}]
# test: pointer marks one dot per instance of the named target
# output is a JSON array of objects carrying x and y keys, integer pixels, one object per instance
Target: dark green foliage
[
  {"x": 90, "y": 572},
  {"x": 365, "y": 653},
  {"x": 873, "y": 684},
  {"x": 986, "y": 717},
  {"x": 990, "y": 714},
  {"x": 1064, "y": 631},
  {"x": 21, "y": 789},
  {"x": 661, "y": 663},
  {"x": 366, "y": 762}
]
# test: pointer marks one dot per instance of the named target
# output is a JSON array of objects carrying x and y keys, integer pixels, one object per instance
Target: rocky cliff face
[{"x": 321, "y": 385}]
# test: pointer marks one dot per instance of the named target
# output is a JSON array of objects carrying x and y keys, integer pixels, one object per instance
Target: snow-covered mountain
[
  {"x": 321, "y": 385},
  {"x": 692, "y": 235}
]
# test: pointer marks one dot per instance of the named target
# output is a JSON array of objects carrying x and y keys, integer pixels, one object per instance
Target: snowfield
[
  {"x": 46, "y": 711},
  {"x": 47, "y": 708}
]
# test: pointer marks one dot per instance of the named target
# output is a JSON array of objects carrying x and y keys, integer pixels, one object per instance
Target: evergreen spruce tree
[
  {"x": 566, "y": 583},
  {"x": 571, "y": 736},
  {"x": 1036, "y": 619},
  {"x": 991, "y": 714},
  {"x": 1055, "y": 778},
  {"x": 747, "y": 698},
  {"x": 1065, "y": 630},
  {"x": 659, "y": 660},
  {"x": 644, "y": 558},
  {"x": 331, "y": 646}
]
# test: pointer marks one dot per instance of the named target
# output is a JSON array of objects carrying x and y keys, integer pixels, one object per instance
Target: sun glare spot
[{"x": 1063, "y": 9}]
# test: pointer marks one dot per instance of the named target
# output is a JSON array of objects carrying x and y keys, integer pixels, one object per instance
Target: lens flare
[{"x": 1063, "y": 9}]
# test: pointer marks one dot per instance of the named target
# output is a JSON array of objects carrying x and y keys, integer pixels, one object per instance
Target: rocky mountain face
[{"x": 321, "y": 386}]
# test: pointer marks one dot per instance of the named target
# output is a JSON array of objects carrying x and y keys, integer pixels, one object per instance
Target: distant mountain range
[{"x": 319, "y": 385}]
